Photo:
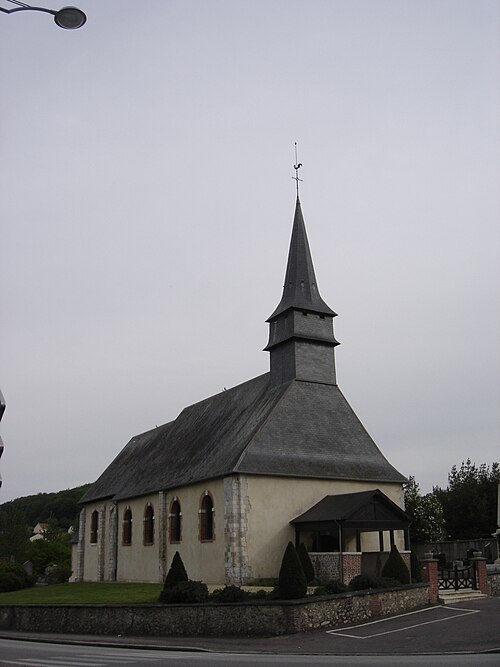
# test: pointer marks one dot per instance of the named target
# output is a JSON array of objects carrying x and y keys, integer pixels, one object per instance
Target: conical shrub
[
  {"x": 177, "y": 572},
  {"x": 292, "y": 582},
  {"x": 395, "y": 567},
  {"x": 306, "y": 563},
  {"x": 416, "y": 568}
]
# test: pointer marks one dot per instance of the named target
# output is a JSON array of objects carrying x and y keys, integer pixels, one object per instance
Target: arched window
[
  {"x": 127, "y": 527},
  {"x": 207, "y": 518},
  {"x": 94, "y": 527},
  {"x": 175, "y": 517},
  {"x": 149, "y": 524}
]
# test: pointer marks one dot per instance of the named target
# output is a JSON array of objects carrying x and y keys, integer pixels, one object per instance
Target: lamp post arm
[
  {"x": 68, "y": 18},
  {"x": 25, "y": 9}
]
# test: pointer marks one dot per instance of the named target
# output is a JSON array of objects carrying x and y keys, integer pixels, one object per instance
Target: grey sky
[{"x": 147, "y": 204}]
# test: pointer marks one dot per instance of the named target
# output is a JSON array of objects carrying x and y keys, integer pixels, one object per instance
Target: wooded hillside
[{"x": 60, "y": 506}]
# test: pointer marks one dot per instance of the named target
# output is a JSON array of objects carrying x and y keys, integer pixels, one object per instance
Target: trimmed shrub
[
  {"x": 389, "y": 582},
  {"x": 292, "y": 582},
  {"x": 185, "y": 592},
  {"x": 363, "y": 582},
  {"x": 13, "y": 577},
  {"x": 177, "y": 572},
  {"x": 305, "y": 561},
  {"x": 269, "y": 581},
  {"x": 334, "y": 586},
  {"x": 228, "y": 594},
  {"x": 56, "y": 574},
  {"x": 395, "y": 567},
  {"x": 416, "y": 567},
  {"x": 262, "y": 595},
  {"x": 330, "y": 587}
]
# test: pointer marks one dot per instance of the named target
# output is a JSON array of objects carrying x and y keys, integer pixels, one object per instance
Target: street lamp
[
  {"x": 2, "y": 410},
  {"x": 68, "y": 18}
]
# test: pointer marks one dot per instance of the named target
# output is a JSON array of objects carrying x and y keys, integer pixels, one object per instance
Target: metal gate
[{"x": 457, "y": 578}]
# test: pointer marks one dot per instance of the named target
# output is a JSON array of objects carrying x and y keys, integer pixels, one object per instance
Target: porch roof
[{"x": 364, "y": 510}]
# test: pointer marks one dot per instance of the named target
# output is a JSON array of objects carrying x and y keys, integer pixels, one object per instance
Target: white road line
[
  {"x": 117, "y": 657},
  {"x": 406, "y": 627},
  {"x": 62, "y": 662},
  {"x": 50, "y": 663},
  {"x": 407, "y": 613}
]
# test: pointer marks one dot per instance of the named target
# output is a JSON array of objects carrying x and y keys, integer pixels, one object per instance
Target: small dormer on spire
[{"x": 301, "y": 338}]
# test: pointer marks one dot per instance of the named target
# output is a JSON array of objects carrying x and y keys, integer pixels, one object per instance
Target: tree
[
  {"x": 40, "y": 507},
  {"x": 395, "y": 567},
  {"x": 470, "y": 501},
  {"x": 425, "y": 512},
  {"x": 43, "y": 553},
  {"x": 53, "y": 549},
  {"x": 14, "y": 534},
  {"x": 292, "y": 582},
  {"x": 306, "y": 563},
  {"x": 177, "y": 572}
]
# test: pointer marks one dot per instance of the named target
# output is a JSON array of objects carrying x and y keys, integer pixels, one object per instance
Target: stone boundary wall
[
  {"x": 494, "y": 583},
  {"x": 214, "y": 620}
]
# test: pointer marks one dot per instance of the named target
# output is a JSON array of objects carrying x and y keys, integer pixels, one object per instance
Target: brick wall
[{"x": 351, "y": 566}]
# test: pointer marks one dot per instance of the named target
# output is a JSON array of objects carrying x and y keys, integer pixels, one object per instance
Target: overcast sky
[{"x": 147, "y": 204}]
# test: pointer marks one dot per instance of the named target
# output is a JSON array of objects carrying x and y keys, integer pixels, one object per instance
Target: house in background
[
  {"x": 39, "y": 531},
  {"x": 238, "y": 475}
]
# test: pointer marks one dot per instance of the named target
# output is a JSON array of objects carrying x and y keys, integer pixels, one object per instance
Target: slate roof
[
  {"x": 297, "y": 429},
  {"x": 366, "y": 506},
  {"x": 301, "y": 288}
]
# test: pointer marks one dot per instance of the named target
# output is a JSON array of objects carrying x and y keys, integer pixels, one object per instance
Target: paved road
[
  {"x": 20, "y": 653},
  {"x": 472, "y": 629}
]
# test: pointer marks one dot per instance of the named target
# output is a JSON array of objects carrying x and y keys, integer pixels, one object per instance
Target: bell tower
[{"x": 301, "y": 340}]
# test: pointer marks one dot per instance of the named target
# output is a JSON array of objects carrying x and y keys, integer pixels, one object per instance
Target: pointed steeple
[
  {"x": 301, "y": 339},
  {"x": 300, "y": 289}
]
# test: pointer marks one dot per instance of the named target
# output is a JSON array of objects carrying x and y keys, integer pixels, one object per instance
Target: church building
[{"x": 235, "y": 477}]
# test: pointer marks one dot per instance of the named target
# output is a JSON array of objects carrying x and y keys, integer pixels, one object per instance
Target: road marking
[
  {"x": 86, "y": 660},
  {"x": 57, "y": 661},
  {"x": 65, "y": 662},
  {"x": 118, "y": 657},
  {"x": 341, "y": 632}
]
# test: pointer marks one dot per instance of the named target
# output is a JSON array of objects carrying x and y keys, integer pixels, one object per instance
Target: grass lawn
[{"x": 85, "y": 593}]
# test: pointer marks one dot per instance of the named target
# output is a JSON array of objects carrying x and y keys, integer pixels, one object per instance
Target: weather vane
[{"x": 297, "y": 166}]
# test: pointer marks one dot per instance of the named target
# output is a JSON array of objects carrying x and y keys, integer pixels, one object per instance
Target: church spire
[
  {"x": 300, "y": 289},
  {"x": 301, "y": 338}
]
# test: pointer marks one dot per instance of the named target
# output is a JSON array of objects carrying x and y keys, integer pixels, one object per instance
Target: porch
[{"x": 352, "y": 533}]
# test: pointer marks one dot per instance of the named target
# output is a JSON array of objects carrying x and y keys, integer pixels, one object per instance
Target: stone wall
[
  {"x": 326, "y": 565},
  {"x": 213, "y": 620},
  {"x": 494, "y": 583}
]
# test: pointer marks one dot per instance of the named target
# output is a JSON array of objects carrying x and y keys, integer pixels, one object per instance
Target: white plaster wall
[
  {"x": 275, "y": 501},
  {"x": 74, "y": 562},
  {"x": 138, "y": 561},
  {"x": 93, "y": 551},
  {"x": 204, "y": 561}
]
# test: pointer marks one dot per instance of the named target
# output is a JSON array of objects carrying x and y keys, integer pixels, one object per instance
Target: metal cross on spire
[{"x": 297, "y": 166}]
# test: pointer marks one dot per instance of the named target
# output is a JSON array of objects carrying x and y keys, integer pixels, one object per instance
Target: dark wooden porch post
[
  {"x": 407, "y": 539},
  {"x": 391, "y": 533},
  {"x": 381, "y": 540}
]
